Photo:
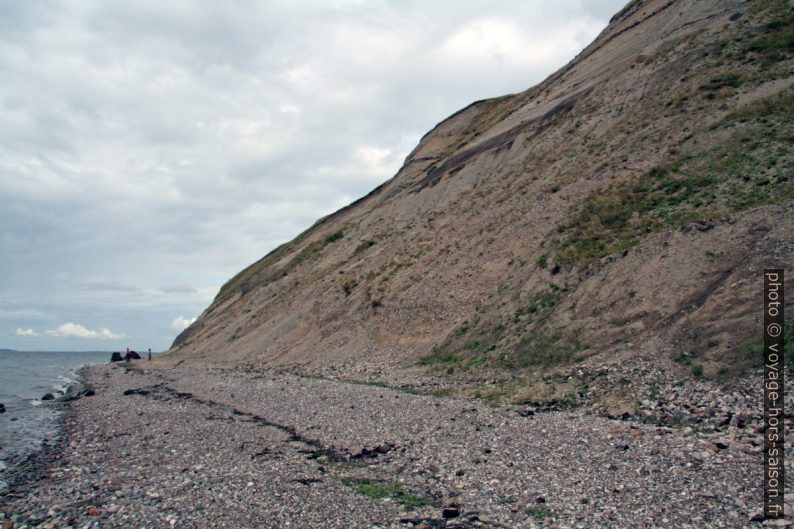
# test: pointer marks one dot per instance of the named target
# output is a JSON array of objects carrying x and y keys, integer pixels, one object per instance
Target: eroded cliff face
[{"x": 626, "y": 205}]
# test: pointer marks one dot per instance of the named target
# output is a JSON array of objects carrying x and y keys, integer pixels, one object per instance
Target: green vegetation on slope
[
  {"x": 523, "y": 340},
  {"x": 752, "y": 165},
  {"x": 238, "y": 282},
  {"x": 751, "y": 355},
  {"x": 775, "y": 41}
]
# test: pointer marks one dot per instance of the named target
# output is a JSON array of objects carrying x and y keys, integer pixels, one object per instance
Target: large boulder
[
  {"x": 134, "y": 355},
  {"x": 77, "y": 390},
  {"x": 2, "y": 408},
  {"x": 73, "y": 389},
  {"x": 48, "y": 396},
  {"x": 116, "y": 357}
]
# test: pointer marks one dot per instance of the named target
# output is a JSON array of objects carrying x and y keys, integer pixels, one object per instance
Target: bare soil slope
[{"x": 622, "y": 209}]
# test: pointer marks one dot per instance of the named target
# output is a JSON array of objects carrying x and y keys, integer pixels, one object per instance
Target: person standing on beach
[
  {"x": 150, "y": 354},
  {"x": 127, "y": 356}
]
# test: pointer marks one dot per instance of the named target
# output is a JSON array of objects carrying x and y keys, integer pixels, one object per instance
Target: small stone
[
  {"x": 450, "y": 512},
  {"x": 93, "y": 511},
  {"x": 540, "y": 499},
  {"x": 460, "y": 472},
  {"x": 8, "y": 525},
  {"x": 48, "y": 396}
]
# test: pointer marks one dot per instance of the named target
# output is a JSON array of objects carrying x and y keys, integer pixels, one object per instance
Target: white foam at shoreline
[{"x": 25, "y": 378}]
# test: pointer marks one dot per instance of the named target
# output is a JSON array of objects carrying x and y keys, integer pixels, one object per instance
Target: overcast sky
[{"x": 149, "y": 150}]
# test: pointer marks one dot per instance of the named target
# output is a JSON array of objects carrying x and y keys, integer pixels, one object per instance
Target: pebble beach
[{"x": 227, "y": 448}]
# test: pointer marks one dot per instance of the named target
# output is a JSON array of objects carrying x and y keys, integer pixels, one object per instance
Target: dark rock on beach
[
  {"x": 76, "y": 391},
  {"x": 451, "y": 510},
  {"x": 2, "y": 408},
  {"x": 116, "y": 357},
  {"x": 48, "y": 396}
]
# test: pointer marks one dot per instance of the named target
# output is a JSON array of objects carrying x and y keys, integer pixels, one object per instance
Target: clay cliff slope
[{"x": 619, "y": 212}]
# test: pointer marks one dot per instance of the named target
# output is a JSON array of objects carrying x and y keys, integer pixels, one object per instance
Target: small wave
[
  {"x": 35, "y": 402},
  {"x": 64, "y": 381}
]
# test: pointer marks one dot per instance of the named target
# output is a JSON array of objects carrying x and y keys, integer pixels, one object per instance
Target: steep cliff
[{"x": 623, "y": 208}]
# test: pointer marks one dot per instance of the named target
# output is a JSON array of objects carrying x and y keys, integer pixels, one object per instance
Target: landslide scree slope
[{"x": 624, "y": 207}]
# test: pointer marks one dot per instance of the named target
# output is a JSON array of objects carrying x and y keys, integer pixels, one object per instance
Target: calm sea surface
[{"x": 25, "y": 376}]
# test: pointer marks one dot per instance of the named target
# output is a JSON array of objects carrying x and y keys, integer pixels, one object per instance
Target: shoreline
[
  {"x": 31, "y": 469},
  {"x": 27, "y": 472},
  {"x": 225, "y": 448},
  {"x": 33, "y": 384}
]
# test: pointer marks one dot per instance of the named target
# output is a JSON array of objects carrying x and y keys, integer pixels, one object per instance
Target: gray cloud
[
  {"x": 178, "y": 288},
  {"x": 149, "y": 150},
  {"x": 109, "y": 286}
]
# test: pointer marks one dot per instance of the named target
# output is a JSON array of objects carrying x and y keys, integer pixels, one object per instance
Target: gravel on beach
[{"x": 228, "y": 448}]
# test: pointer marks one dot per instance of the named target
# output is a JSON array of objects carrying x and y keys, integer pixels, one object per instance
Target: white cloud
[
  {"x": 512, "y": 45},
  {"x": 74, "y": 330},
  {"x": 26, "y": 332},
  {"x": 180, "y": 323},
  {"x": 375, "y": 159}
]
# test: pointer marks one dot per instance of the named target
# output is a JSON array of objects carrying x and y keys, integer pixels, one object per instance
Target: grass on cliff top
[{"x": 753, "y": 166}]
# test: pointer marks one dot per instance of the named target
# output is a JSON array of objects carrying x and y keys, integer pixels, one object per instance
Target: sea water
[{"x": 25, "y": 377}]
